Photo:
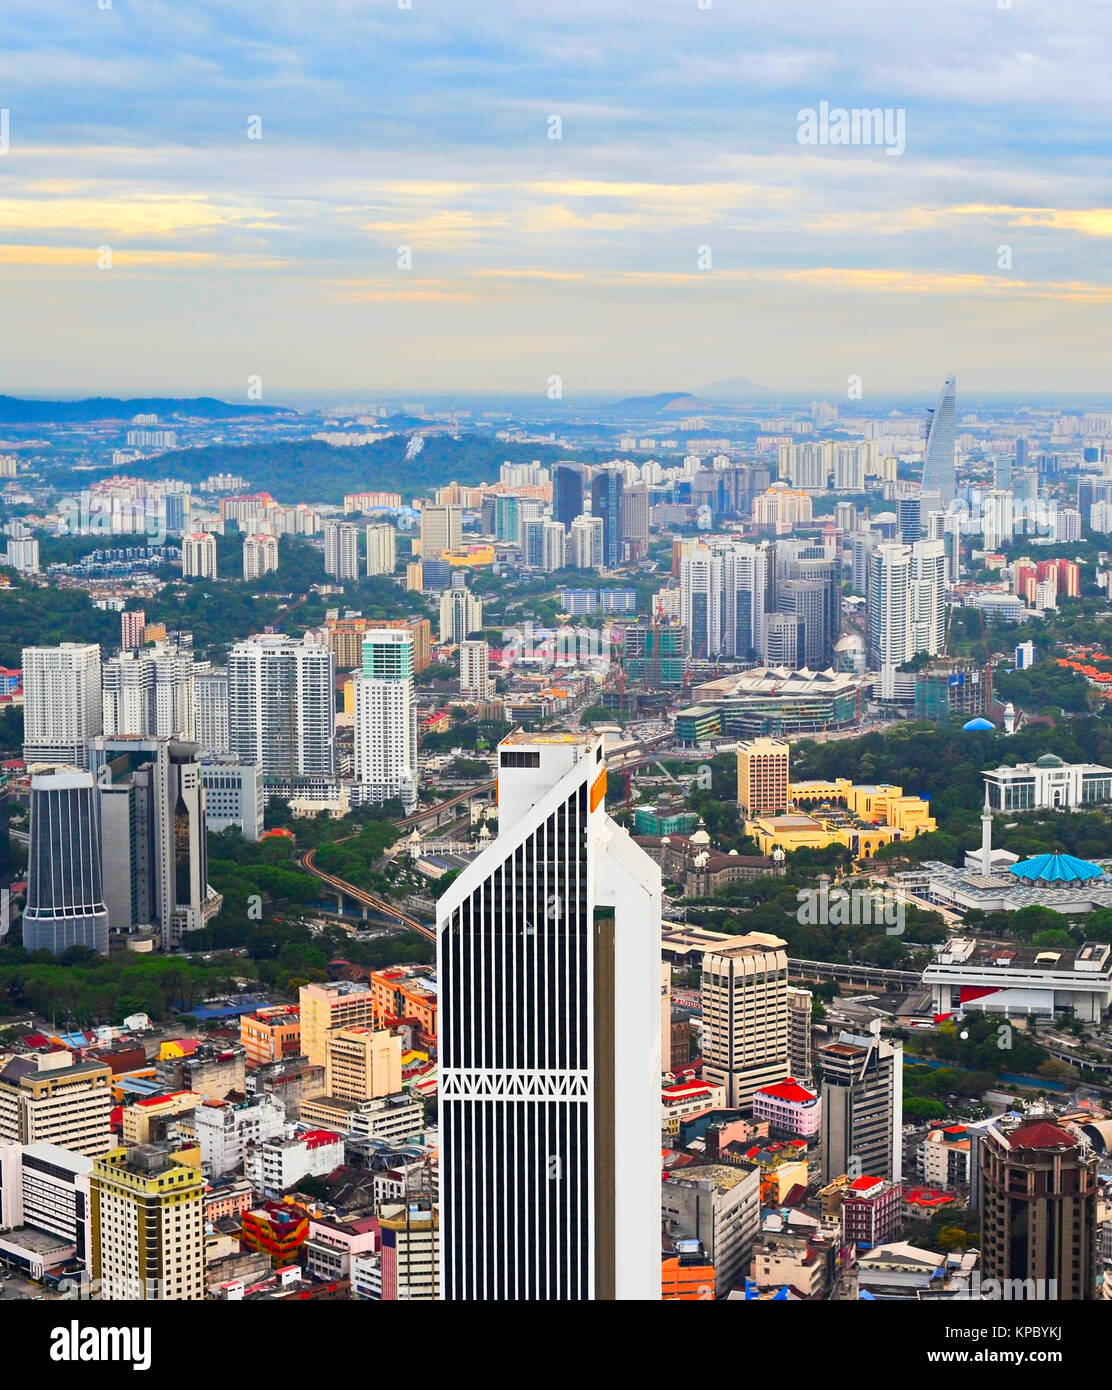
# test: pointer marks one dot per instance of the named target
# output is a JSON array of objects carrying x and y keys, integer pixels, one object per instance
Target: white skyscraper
[
  {"x": 150, "y": 691},
  {"x": 341, "y": 550},
  {"x": 281, "y": 706},
  {"x": 386, "y": 718},
  {"x": 381, "y": 548},
  {"x": 474, "y": 671},
  {"x": 550, "y": 1029},
  {"x": 61, "y": 702}
]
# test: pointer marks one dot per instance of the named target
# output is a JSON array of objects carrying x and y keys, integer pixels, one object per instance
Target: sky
[{"x": 676, "y": 233}]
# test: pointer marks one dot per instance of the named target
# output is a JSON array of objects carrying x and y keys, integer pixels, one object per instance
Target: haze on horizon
[{"x": 532, "y": 257}]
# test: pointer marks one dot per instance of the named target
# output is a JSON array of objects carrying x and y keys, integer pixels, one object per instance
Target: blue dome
[
  {"x": 977, "y": 724},
  {"x": 1056, "y": 868}
]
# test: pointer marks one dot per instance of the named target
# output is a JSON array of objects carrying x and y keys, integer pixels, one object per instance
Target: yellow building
[
  {"x": 143, "y": 1119},
  {"x": 362, "y": 1063},
  {"x": 330, "y": 1005},
  {"x": 863, "y": 817},
  {"x": 147, "y": 1224}
]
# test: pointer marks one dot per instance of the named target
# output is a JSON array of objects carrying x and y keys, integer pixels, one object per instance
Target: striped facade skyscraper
[{"x": 550, "y": 1034}]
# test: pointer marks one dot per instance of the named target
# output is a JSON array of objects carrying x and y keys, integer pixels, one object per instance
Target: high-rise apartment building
[
  {"x": 745, "y": 583},
  {"x": 701, "y": 602},
  {"x": 474, "y": 671},
  {"x": 198, "y": 555},
  {"x": 148, "y": 1226},
  {"x": 65, "y": 890},
  {"x": 386, "y": 717},
  {"x": 461, "y": 614},
  {"x": 329, "y": 1005},
  {"x": 281, "y": 707},
  {"x": 544, "y": 544},
  {"x": 61, "y": 702},
  {"x": 150, "y": 692},
  {"x": 69, "y": 1105},
  {"x": 762, "y": 776},
  {"x": 549, "y": 972},
  {"x": 381, "y": 548},
  {"x": 862, "y": 1107},
  {"x": 362, "y": 1063},
  {"x": 906, "y": 607},
  {"x": 441, "y": 530},
  {"x": 133, "y": 622},
  {"x": 745, "y": 1013},
  {"x": 1039, "y": 1188},
  {"x": 211, "y": 706},
  {"x": 341, "y": 550},
  {"x": 585, "y": 543},
  {"x": 260, "y": 556}
]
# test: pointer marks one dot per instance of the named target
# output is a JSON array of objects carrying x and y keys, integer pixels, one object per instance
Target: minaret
[{"x": 986, "y": 837}]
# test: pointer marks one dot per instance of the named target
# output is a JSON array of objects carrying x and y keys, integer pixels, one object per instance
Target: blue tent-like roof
[
  {"x": 977, "y": 724},
  {"x": 1056, "y": 868}
]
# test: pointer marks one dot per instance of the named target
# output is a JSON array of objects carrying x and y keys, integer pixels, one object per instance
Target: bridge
[
  {"x": 856, "y": 973},
  {"x": 371, "y": 902}
]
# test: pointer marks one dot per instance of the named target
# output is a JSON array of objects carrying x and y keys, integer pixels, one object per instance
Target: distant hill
[
  {"x": 14, "y": 411},
  {"x": 309, "y": 470},
  {"x": 736, "y": 388},
  {"x": 664, "y": 403}
]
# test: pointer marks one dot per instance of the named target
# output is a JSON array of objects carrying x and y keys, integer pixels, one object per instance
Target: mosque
[{"x": 992, "y": 880}]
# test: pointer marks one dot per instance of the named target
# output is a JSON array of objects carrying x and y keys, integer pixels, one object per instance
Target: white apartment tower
[
  {"x": 585, "y": 543},
  {"x": 701, "y": 602},
  {"x": 386, "y": 718},
  {"x": 341, "y": 550},
  {"x": 198, "y": 555},
  {"x": 150, "y": 692},
  {"x": 61, "y": 702},
  {"x": 461, "y": 614},
  {"x": 281, "y": 706},
  {"x": 906, "y": 607},
  {"x": 474, "y": 671},
  {"x": 211, "y": 701},
  {"x": 260, "y": 556},
  {"x": 381, "y": 548},
  {"x": 550, "y": 1033}
]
